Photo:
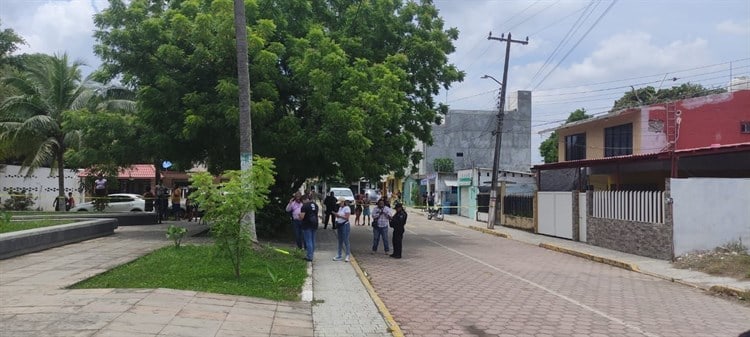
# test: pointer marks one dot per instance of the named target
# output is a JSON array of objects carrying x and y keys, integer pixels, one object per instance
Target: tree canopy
[
  {"x": 338, "y": 87},
  {"x": 650, "y": 95},
  {"x": 548, "y": 148}
]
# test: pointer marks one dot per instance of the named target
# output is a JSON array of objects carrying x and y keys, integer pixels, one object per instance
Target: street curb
[
  {"x": 490, "y": 232},
  {"x": 393, "y": 327},
  {"x": 720, "y": 289},
  {"x": 611, "y": 262}
]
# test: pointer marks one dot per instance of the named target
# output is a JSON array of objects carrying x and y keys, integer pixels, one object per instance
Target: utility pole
[{"x": 494, "y": 201}]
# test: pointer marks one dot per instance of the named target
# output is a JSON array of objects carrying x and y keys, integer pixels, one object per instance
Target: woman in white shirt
[{"x": 343, "y": 227}]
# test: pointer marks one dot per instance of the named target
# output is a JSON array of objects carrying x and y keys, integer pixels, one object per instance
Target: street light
[
  {"x": 492, "y": 78},
  {"x": 496, "y": 158}
]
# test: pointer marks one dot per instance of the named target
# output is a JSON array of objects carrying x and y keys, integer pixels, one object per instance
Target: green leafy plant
[
  {"x": 443, "y": 165},
  {"x": 19, "y": 200},
  {"x": 176, "y": 233},
  {"x": 227, "y": 204}
]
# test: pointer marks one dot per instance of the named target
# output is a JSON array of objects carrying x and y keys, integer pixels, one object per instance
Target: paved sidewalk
[
  {"x": 342, "y": 305},
  {"x": 654, "y": 267},
  {"x": 34, "y": 301}
]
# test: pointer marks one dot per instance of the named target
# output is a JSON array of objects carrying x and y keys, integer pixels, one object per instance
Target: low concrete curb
[
  {"x": 611, "y": 262},
  {"x": 730, "y": 291},
  {"x": 33, "y": 240},
  {"x": 393, "y": 327},
  {"x": 490, "y": 232},
  {"x": 123, "y": 218}
]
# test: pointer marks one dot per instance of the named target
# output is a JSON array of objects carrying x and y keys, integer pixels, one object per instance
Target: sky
[{"x": 580, "y": 54}]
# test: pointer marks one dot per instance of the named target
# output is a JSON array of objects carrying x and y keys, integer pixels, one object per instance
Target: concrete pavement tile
[
  {"x": 244, "y": 303},
  {"x": 207, "y": 307},
  {"x": 85, "y": 321},
  {"x": 154, "y": 310},
  {"x": 261, "y": 327},
  {"x": 250, "y": 312},
  {"x": 67, "y": 333},
  {"x": 116, "y": 333},
  {"x": 19, "y": 325},
  {"x": 163, "y": 299},
  {"x": 233, "y": 298},
  {"x": 202, "y": 314},
  {"x": 281, "y": 330},
  {"x": 187, "y": 293},
  {"x": 228, "y": 302},
  {"x": 292, "y": 322},
  {"x": 40, "y": 309},
  {"x": 195, "y": 322},
  {"x": 135, "y": 327},
  {"x": 188, "y": 331},
  {"x": 135, "y": 318},
  {"x": 293, "y": 315},
  {"x": 257, "y": 300},
  {"x": 234, "y": 333}
]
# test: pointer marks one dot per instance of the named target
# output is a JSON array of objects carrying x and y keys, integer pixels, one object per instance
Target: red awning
[{"x": 137, "y": 171}]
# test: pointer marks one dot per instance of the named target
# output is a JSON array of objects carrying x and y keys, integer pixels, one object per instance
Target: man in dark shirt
[
  {"x": 309, "y": 216},
  {"x": 331, "y": 208}
]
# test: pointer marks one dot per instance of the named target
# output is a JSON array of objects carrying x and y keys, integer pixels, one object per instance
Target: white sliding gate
[{"x": 556, "y": 214}]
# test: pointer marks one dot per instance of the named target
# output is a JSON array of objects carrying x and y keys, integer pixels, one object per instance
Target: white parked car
[
  {"x": 118, "y": 202},
  {"x": 343, "y": 192}
]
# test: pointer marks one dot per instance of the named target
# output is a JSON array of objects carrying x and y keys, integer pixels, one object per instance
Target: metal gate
[{"x": 556, "y": 214}]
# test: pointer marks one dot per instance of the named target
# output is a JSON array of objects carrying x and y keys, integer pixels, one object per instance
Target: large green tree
[
  {"x": 548, "y": 148},
  {"x": 650, "y": 95},
  {"x": 31, "y": 120},
  {"x": 340, "y": 87}
]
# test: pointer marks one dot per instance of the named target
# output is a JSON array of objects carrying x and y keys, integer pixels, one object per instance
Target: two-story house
[{"x": 638, "y": 148}]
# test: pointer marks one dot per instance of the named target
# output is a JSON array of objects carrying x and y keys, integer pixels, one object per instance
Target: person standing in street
[
  {"x": 308, "y": 215},
  {"x": 343, "y": 229},
  {"x": 176, "y": 199},
  {"x": 366, "y": 210},
  {"x": 398, "y": 223},
  {"x": 293, "y": 207},
  {"x": 331, "y": 208},
  {"x": 162, "y": 194},
  {"x": 148, "y": 196},
  {"x": 381, "y": 217}
]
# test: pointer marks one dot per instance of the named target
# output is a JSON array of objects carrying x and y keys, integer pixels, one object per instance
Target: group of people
[
  {"x": 304, "y": 215},
  {"x": 160, "y": 203}
]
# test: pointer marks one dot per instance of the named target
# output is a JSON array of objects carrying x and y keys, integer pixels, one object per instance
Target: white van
[{"x": 343, "y": 192}]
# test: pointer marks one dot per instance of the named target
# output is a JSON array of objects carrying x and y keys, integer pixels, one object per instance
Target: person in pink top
[{"x": 293, "y": 208}]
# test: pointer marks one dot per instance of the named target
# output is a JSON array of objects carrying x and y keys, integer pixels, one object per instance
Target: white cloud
[{"x": 731, "y": 27}]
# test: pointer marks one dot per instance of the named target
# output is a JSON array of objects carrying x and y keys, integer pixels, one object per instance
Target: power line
[{"x": 577, "y": 43}]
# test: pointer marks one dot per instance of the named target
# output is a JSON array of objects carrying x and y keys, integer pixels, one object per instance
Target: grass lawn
[
  {"x": 6, "y": 227},
  {"x": 265, "y": 273}
]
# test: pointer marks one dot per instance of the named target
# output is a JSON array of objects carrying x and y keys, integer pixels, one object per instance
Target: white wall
[
  {"x": 40, "y": 184},
  {"x": 709, "y": 212}
]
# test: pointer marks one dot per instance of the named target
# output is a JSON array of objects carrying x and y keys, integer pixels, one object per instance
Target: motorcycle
[{"x": 435, "y": 213}]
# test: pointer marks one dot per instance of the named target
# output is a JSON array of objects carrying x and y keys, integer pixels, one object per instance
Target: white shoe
[
  {"x": 346, "y": 259},
  {"x": 337, "y": 258}
]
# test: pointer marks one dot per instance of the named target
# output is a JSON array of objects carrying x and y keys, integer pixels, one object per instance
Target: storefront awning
[{"x": 451, "y": 183}]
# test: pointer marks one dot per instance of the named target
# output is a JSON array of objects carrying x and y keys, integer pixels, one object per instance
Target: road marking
[{"x": 550, "y": 291}]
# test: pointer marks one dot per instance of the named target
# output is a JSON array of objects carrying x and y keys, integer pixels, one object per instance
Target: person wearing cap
[
  {"x": 343, "y": 227},
  {"x": 398, "y": 222}
]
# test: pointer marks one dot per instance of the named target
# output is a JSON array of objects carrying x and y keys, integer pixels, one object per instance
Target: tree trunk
[
  {"x": 60, "y": 179},
  {"x": 243, "y": 80}
]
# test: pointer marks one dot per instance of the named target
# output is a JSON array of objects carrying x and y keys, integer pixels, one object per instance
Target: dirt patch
[{"x": 721, "y": 261}]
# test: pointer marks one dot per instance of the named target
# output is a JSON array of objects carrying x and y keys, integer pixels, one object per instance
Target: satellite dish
[{"x": 166, "y": 164}]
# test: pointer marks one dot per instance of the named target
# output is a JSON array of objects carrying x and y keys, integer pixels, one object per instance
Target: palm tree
[{"x": 31, "y": 120}]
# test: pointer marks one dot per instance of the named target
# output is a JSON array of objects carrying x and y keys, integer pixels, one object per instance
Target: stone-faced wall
[{"x": 639, "y": 238}]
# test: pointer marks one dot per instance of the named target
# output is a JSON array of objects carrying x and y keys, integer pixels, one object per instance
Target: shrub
[{"x": 19, "y": 200}]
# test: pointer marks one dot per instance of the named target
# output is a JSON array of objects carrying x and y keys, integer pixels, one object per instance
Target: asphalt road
[{"x": 453, "y": 281}]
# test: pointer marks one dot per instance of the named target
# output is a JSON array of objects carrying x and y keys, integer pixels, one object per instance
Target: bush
[{"x": 19, "y": 200}]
